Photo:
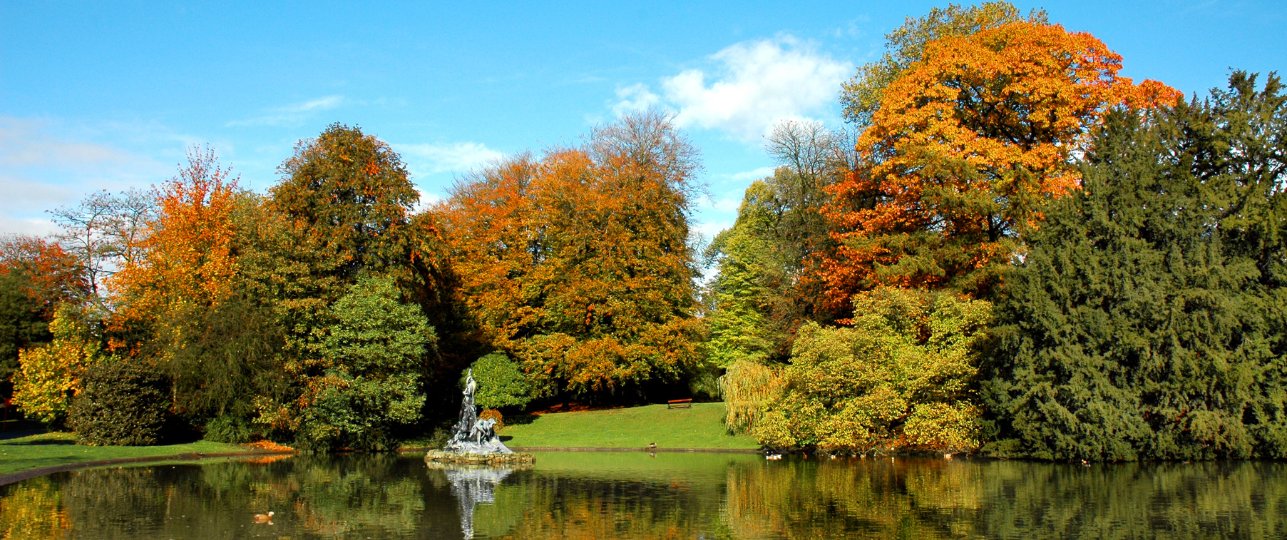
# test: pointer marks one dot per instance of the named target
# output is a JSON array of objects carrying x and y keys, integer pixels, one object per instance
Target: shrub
[
  {"x": 230, "y": 429},
  {"x": 494, "y": 415},
  {"x": 120, "y": 404},
  {"x": 899, "y": 378},
  {"x": 500, "y": 383}
]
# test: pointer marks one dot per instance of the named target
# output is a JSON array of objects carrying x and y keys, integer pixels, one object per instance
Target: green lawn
[
  {"x": 48, "y": 449},
  {"x": 699, "y": 427}
]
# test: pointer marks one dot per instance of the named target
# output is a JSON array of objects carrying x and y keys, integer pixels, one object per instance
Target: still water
[{"x": 634, "y": 495}]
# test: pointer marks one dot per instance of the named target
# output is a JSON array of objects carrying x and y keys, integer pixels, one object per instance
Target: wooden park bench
[{"x": 679, "y": 404}]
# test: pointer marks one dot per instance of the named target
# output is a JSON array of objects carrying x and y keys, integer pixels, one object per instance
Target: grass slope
[
  {"x": 699, "y": 427},
  {"x": 48, "y": 449}
]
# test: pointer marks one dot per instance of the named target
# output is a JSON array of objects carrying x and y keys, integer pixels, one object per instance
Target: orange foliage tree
[
  {"x": 578, "y": 264},
  {"x": 966, "y": 148},
  {"x": 186, "y": 256}
]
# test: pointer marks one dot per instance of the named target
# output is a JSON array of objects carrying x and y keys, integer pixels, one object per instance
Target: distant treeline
[{"x": 1008, "y": 248}]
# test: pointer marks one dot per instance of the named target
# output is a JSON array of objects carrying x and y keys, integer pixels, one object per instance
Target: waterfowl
[{"x": 264, "y": 519}]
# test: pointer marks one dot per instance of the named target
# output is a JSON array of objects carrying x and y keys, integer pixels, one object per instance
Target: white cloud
[
  {"x": 22, "y": 193},
  {"x": 41, "y": 170},
  {"x": 708, "y": 230},
  {"x": 24, "y": 143},
  {"x": 426, "y": 159},
  {"x": 727, "y": 204},
  {"x": 292, "y": 113},
  {"x": 756, "y": 84},
  {"x": 635, "y": 98},
  {"x": 754, "y": 174},
  {"x": 27, "y": 226},
  {"x": 427, "y": 200}
]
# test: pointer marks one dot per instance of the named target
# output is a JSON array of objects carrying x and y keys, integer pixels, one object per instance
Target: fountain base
[{"x": 467, "y": 458}]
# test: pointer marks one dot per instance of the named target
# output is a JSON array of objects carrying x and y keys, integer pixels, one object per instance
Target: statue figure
[{"x": 471, "y": 435}]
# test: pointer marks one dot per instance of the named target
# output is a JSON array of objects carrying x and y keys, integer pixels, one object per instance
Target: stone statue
[{"x": 471, "y": 435}]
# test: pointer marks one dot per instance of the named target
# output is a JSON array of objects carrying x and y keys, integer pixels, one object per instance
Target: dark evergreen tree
[{"x": 1147, "y": 318}]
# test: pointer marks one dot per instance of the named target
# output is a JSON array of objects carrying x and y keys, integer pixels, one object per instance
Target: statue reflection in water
[{"x": 472, "y": 486}]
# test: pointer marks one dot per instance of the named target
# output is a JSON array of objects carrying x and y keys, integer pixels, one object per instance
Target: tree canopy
[
  {"x": 968, "y": 146},
  {"x": 1147, "y": 319},
  {"x": 579, "y": 265}
]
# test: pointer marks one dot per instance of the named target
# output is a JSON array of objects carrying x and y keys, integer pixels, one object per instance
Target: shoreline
[{"x": 28, "y": 474}]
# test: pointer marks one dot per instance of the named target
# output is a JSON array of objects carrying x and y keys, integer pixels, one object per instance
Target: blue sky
[{"x": 108, "y": 95}]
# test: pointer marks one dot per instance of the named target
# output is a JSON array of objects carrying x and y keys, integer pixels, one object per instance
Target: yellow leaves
[{"x": 49, "y": 374}]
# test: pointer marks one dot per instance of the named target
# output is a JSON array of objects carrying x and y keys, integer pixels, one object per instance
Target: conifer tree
[{"x": 1146, "y": 320}]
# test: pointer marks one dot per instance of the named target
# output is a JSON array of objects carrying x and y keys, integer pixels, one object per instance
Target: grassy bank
[
  {"x": 702, "y": 426},
  {"x": 49, "y": 449}
]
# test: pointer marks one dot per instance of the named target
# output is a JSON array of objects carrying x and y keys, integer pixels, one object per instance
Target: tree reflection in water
[{"x": 669, "y": 496}]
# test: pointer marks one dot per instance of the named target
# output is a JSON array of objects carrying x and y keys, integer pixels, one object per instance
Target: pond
[{"x": 669, "y": 495}]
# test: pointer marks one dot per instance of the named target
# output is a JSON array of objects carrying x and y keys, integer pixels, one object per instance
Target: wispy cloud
[
  {"x": 291, "y": 114},
  {"x": 426, "y": 159},
  {"x": 41, "y": 169},
  {"x": 753, "y": 86},
  {"x": 753, "y": 174}
]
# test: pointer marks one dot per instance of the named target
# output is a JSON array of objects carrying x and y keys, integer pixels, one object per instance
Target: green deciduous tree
[
  {"x": 370, "y": 381},
  {"x": 500, "y": 382},
  {"x": 1147, "y": 319},
  {"x": 764, "y": 289}
]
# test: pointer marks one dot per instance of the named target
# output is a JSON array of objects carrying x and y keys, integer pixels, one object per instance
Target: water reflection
[
  {"x": 669, "y": 496},
  {"x": 471, "y": 486}
]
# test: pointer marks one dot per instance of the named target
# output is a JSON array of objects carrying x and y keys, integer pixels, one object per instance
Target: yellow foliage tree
[
  {"x": 49, "y": 375},
  {"x": 899, "y": 379}
]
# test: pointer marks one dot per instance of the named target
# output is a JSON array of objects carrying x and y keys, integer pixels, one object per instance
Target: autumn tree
[
  {"x": 966, "y": 148},
  {"x": 185, "y": 304},
  {"x": 187, "y": 250},
  {"x": 35, "y": 277},
  {"x": 578, "y": 264},
  {"x": 348, "y": 197},
  {"x": 49, "y": 374},
  {"x": 861, "y": 95},
  {"x": 900, "y": 378},
  {"x": 1147, "y": 320}
]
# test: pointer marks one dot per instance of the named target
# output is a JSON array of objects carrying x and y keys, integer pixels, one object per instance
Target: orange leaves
[
  {"x": 577, "y": 263},
  {"x": 187, "y": 255},
  {"x": 967, "y": 146},
  {"x": 49, "y": 274}
]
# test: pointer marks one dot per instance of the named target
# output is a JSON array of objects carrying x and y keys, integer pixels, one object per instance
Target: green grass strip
[
  {"x": 51, "y": 449},
  {"x": 702, "y": 426}
]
